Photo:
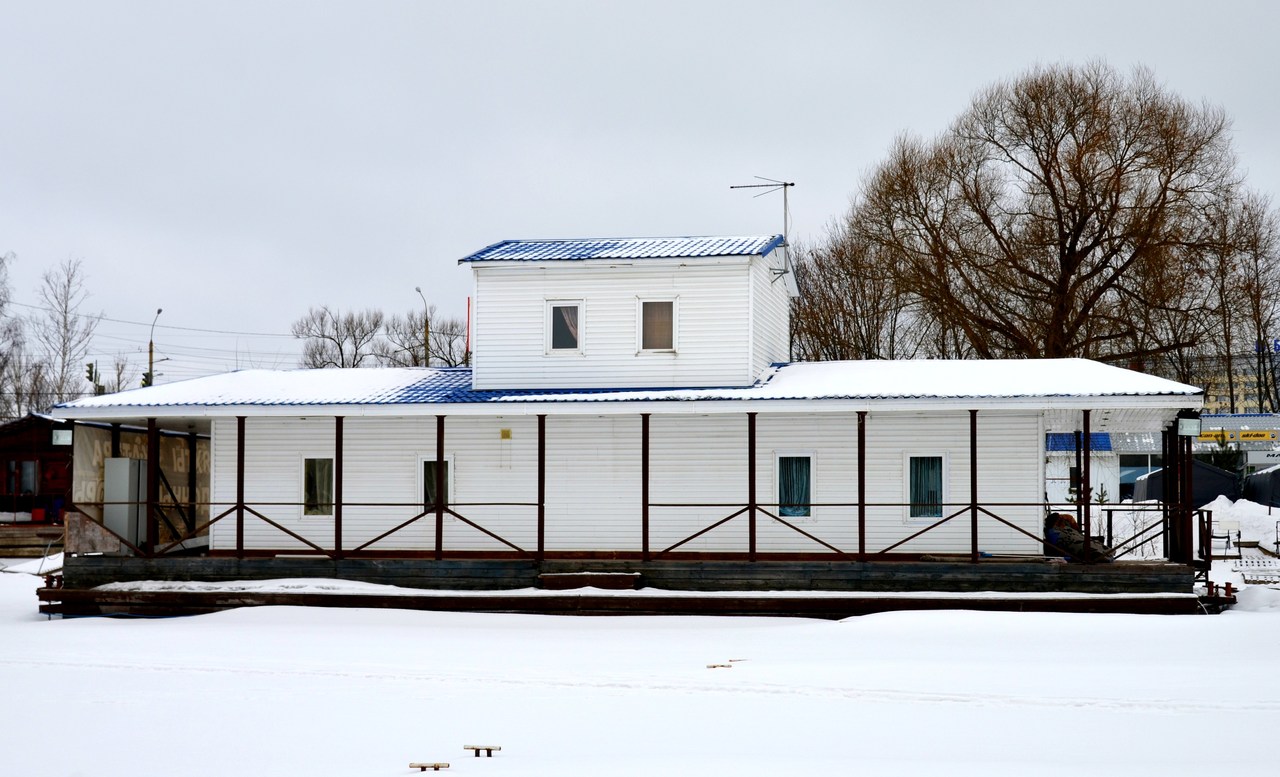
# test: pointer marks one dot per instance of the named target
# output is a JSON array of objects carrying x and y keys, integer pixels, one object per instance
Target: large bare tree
[{"x": 1072, "y": 211}]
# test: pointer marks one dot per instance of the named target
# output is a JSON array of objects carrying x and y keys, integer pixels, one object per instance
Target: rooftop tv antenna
[{"x": 770, "y": 187}]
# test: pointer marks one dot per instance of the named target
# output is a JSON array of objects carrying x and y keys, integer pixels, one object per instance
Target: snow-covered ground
[{"x": 320, "y": 692}]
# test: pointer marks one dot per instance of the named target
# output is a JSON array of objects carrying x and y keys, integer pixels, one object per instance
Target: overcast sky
[{"x": 237, "y": 162}]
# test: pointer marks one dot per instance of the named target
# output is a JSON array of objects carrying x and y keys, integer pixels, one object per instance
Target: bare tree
[
  {"x": 123, "y": 375},
  {"x": 333, "y": 339},
  {"x": 10, "y": 326},
  {"x": 27, "y": 385},
  {"x": 404, "y": 337},
  {"x": 11, "y": 344},
  {"x": 61, "y": 332},
  {"x": 449, "y": 342},
  {"x": 402, "y": 346},
  {"x": 850, "y": 304},
  {"x": 1256, "y": 292},
  {"x": 1068, "y": 212}
]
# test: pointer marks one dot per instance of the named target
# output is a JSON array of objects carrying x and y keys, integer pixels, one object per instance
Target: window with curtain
[
  {"x": 564, "y": 326},
  {"x": 429, "y": 484},
  {"x": 794, "y": 485},
  {"x": 925, "y": 491},
  {"x": 30, "y": 478},
  {"x": 317, "y": 486},
  {"x": 657, "y": 325}
]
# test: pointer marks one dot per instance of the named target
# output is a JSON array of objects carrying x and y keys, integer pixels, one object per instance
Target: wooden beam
[
  {"x": 193, "y": 455},
  {"x": 240, "y": 486},
  {"x": 153, "y": 486},
  {"x": 542, "y": 486},
  {"x": 1086, "y": 481},
  {"x": 440, "y": 487},
  {"x": 1187, "y": 498},
  {"x": 862, "y": 485},
  {"x": 337, "y": 486},
  {"x": 644, "y": 486},
  {"x": 973, "y": 486},
  {"x": 751, "y": 486},
  {"x": 1079, "y": 474}
]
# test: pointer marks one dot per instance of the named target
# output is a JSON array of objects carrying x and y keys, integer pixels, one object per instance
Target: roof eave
[
  {"x": 674, "y": 406},
  {"x": 654, "y": 261}
]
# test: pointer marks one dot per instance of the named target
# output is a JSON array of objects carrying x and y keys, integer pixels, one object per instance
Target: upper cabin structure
[
  {"x": 630, "y": 312},
  {"x": 35, "y": 469},
  {"x": 631, "y": 402}
]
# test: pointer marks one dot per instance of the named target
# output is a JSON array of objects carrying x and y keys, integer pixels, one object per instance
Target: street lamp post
[
  {"x": 151, "y": 350},
  {"x": 426, "y": 328}
]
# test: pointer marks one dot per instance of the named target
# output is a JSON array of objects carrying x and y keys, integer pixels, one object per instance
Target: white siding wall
[
  {"x": 382, "y": 464},
  {"x": 771, "y": 314},
  {"x": 1010, "y": 470},
  {"x": 593, "y": 480},
  {"x": 1104, "y": 473},
  {"x": 712, "y": 326}
]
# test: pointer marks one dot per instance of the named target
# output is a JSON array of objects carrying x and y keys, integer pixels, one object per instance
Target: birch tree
[{"x": 62, "y": 332}]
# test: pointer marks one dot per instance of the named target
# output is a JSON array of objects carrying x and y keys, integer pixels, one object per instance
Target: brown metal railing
[
  {"x": 238, "y": 509},
  {"x": 1145, "y": 533}
]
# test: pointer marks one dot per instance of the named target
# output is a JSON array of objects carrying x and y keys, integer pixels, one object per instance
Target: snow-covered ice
[{"x": 320, "y": 692}]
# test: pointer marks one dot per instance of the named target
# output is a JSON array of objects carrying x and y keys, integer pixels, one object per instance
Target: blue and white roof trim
[
  {"x": 1036, "y": 383},
  {"x": 581, "y": 249}
]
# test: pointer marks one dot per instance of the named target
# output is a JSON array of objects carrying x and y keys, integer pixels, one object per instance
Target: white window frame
[
  {"x": 675, "y": 324},
  {"x": 907, "y": 456},
  {"x": 451, "y": 480},
  {"x": 812, "y": 456},
  {"x": 302, "y": 484},
  {"x": 548, "y": 318}
]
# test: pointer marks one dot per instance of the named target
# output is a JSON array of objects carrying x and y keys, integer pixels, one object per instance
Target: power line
[{"x": 158, "y": 326}]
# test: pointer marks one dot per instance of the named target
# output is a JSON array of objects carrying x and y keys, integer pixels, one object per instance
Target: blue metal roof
[
  {"x": 1066, "y": 441},
  {"x": 453, "y": 384},
  {"x": 578, "y": 249}
]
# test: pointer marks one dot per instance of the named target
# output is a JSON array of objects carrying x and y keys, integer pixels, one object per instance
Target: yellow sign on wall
[
  {"x": 1241, "y": 435},
  {"x": 1258, "y": 435}
]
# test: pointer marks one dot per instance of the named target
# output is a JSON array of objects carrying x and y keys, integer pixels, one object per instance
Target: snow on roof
[
  {"x": 861, "y": 380},
  {"x": 961, "y": 379},
  {"x": 624, "y": 248}
]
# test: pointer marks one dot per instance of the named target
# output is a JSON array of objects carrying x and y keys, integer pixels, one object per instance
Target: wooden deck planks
[
  {"x": 169, "y": 603},
  {"x": 1129, "y": 586}
]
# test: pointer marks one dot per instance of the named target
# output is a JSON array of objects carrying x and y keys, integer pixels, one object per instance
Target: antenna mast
[{"x": 770, "y": 187}]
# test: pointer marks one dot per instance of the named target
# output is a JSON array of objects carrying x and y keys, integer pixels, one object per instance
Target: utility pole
[
  {"x": 426, "y": 328},
  {"x": 150, "y": 378}
]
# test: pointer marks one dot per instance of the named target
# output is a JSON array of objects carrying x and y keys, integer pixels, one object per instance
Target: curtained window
[
  {"x": 30, "y": 478},
  {"x": 794, "y": 485},
  {"x": 925, "y": 490},
  {"x": 564, "y": 326},
  {"x": 657, "y": 326},
  {"x": 429, "y": 485},
  {"x": 317, "y": 486}
]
